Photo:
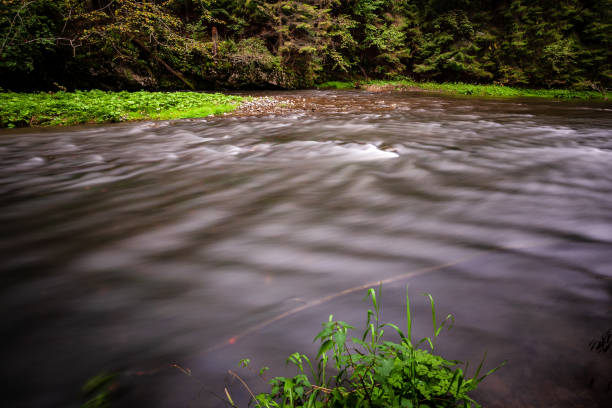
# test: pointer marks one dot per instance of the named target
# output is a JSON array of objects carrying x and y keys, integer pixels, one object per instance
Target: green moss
[{"x": 70, "y": 108}]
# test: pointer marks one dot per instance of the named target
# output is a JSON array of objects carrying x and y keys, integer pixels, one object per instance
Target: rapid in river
[{"x": 127, "y": 248}]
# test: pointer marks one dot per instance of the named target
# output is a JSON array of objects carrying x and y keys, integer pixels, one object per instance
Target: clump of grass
[
  {"x": 70, "y": 108},
  {"x": 337, "y": 85},
  {"x": 459, "y": 88},
  {"x": 368, "y": 371},
  {"x": 508, "y": 91}
]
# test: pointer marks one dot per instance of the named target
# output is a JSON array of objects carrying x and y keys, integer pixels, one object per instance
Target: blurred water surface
[{"x": 125, "y": 248}]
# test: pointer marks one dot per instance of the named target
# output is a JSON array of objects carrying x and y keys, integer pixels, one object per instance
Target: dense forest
[{"x": 220, "y": 44}]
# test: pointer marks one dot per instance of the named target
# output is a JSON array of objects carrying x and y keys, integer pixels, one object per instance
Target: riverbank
[
  {"x": 79, "y": 107},
  {"x": 72, "y": 108},
  {"x": 459, "y": 88}
]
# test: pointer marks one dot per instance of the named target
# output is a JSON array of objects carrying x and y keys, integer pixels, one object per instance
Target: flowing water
[{"x": 126, "y": 248}]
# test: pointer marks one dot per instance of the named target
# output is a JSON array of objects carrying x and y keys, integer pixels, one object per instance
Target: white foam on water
[
  {"x": 369, "y": 151},
  {"x": 95, "y": 158},
  {"x": 143, "y": 127},
  {"x": 554, "y": 130},
  {"x": 229, "y": 149},
  {"x": 350, "y": 151},
  {"x": 190, "y": 136},
  {"x": 466, "y": 117},
  {"x": 33, "y": 162},
  {"x": 489, "y": 124},
  {"x": 299, "y": 150},
  {"x": 68, "y": 147}
]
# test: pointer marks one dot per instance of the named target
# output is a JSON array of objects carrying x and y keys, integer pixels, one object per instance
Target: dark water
[{"x": 125, "y": 248}]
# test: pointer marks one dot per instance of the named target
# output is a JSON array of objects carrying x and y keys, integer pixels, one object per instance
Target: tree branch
[
  {"x": 162, "y": 62},
  {"x": 17, "y": 15}
]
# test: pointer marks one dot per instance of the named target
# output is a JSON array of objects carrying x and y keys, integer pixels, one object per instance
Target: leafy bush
[{"x": 369, "y": 371}]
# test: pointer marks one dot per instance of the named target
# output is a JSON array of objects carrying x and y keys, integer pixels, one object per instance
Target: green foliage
[
  {"x": 451, "y": 50},
  {"x": 459, "y": 88},
  {"x": 211, "y": 44},
  {"x": 69, "y": 108},
  {"x": 99, "y": 390},
  {"x": 507, "y": 91},
  {"x": 369, "y": 371},
  {"x": 28, "y": 31},
  {"x": 336, "y": 85},
  {"x": 247, "y": 64}
]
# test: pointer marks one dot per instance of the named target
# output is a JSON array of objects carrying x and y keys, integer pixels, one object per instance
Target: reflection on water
[{"x": 129, "y": 247}]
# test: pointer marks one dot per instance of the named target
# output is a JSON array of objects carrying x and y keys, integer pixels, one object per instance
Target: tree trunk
[{"x": 168, "y": 67}]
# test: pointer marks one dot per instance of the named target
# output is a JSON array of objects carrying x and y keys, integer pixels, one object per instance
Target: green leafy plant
[
  {"x": 70, "y": 108},
  {"x": 369, "y": 371},
  {"x": 99, "y": 390}
]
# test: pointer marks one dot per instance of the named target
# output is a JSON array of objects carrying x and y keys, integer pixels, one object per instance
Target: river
[{"x": 130, "y": 247}]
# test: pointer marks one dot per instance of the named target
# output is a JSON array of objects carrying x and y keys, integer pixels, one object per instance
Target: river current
[{"x": 128, "y": 248}]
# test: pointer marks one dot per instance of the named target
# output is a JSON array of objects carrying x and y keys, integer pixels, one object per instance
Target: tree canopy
[{"x": 212, "y": 44}]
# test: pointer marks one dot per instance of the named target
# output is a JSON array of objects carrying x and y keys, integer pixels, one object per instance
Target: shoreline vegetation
[
  {"x": 95, "y": 106},
  {"x": 459, "y": 88},
  {"x": 80, "y": 107}
]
